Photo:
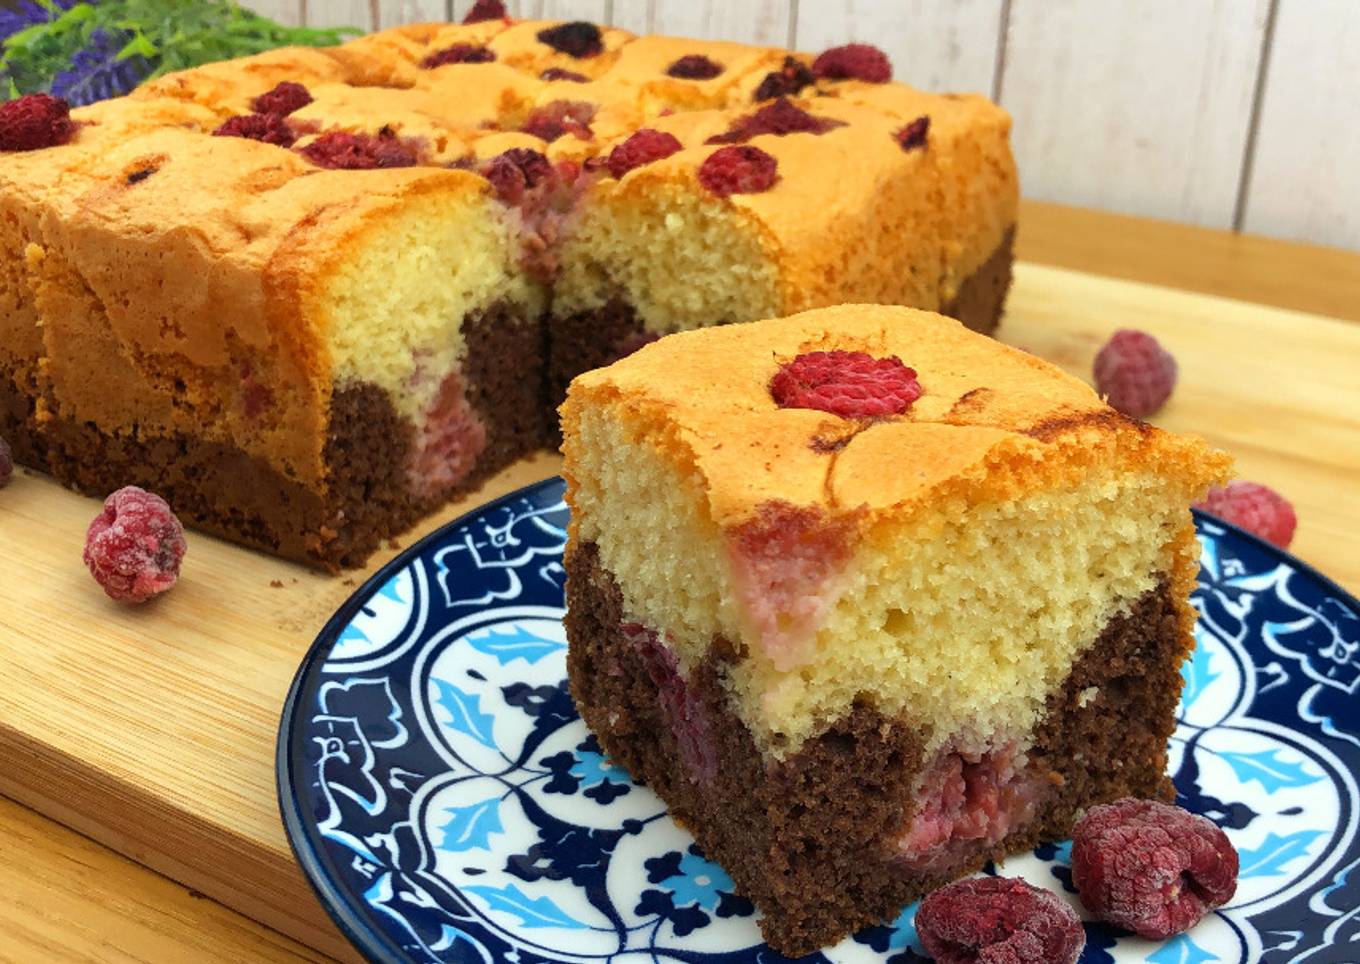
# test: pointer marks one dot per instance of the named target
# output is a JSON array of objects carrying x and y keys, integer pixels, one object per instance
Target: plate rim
[{"x": 369, "y": 940}]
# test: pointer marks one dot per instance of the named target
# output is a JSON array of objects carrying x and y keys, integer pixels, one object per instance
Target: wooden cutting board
[{"x": 152, "y": 729}]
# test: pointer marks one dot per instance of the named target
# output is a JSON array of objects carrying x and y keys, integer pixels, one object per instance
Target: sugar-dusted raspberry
[
  {"x": 267, "y": 128},
  {"x": 850, "y": 384},
  {"x": 576, "y": 39},
  {"x": 788, "y": 80},
  {"x": 35, "y": 121},
  {"x": 694, "y": 67},
  {"x": 286, "y": 97},
  {"x": 459, "y": 54},
  {"x": 642, "y": 147},
  {"x": 913, "y": 135},
  {"x": 1135, "y": 373},
  {"x": 854, "y": 62},
  {"x": 780, "y": 118},
  {"x": 516, "y": 171},
  {"x": 1151, "y": 867},
  {"x": 559, "y": 117},
  {"x": 134, "y": 547},
  {"x": 740, "y": 169},
  {"x": 484, "y": 10},
  {"x": 999, "y": 920},
  {"x": 6, "y": 463},
  {"x": 561, "y": 73},
  {"x": 1254, "y": 507},
  {"x": 360, "y": 152}
]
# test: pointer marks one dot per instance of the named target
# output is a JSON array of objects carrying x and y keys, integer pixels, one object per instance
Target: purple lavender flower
[
  {"x": 97, "y": 74},
  {"x": 26, "y": 13}
]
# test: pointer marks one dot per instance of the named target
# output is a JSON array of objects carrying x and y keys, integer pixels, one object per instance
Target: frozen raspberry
[
  {"x": 642, "y": 147},
  {"x": 850, "y": 384},
  {"x": 694, "y": 67},
  {"x": 854, "y": 62},
  {"x": 998, "y": 920},
  {"x": 268, "y": 128},
  {"x": 285, "y": 98},
  {"x": 6, "y": 463},
  {"x": 914, "y": 134},
  {"x": 35, "y": 121},
  {"x": 516, "y": 171},
  {"x": 484, "y": 10},
  {"x": 360, "y": 152},
  {"x": 576, "y": 39},
  {"x": 780, "y": 118},
  {"x": 134, "y": 547},
  {"x": 1135, "y": 373},
  {"x": 788, "y": 80},
  {"x": 552, "y": 120},
  {"x": 1254, "y": 507},
  {"x": 740, "y": 169},
  {"x": 1151, "y": 867},
  {"x": 561, "y": 73},
  {"x": 459, "y": 54}
]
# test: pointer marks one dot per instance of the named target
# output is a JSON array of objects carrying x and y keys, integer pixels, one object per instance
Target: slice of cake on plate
[{"x": 869, "y": 599}]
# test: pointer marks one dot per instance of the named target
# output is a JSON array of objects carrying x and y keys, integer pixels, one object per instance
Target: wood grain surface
[
  {"x": 152, "y": 730},
  {"x": 70, "y": 899}
]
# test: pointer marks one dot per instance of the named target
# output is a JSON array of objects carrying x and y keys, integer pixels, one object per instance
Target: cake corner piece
[{"x": 869, "y": 599}]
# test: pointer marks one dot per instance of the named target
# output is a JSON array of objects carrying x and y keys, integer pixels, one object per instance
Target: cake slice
[{"x": 870, "y": 599}]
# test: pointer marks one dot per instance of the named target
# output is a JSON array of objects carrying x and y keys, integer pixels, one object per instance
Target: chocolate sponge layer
[
  {"x": 808, "y": 838},
  {"x": 221, "y": 489}
]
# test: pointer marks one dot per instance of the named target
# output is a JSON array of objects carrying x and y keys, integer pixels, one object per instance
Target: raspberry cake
[
  {"x": 870, "y": 599},
  {"x": 310, "y": 295}
]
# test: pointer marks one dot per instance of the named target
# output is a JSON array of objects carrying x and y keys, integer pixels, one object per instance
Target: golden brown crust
[{"x": 993, "y": 422}]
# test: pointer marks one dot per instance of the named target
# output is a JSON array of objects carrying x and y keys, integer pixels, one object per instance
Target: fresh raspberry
[
  {"x": 1151, "y": 867},
  {"x": 459, "y": 54},
  {"x": 484, "y": 10},
  {"x": 788, "y": 80},
  {"x": 694, "y": 67},
  {"x": 266, "y": 128},
  {"x": 559, "y": 117},
  {"x": 360, "y": 152},
  {"x": 285, "y": 98},
  {"x": 854, "y": 62},
  {"x": 1135, "y": 373},
  {"x": 134, "y": 547},
  {"x": 35, "y": 121},
  {"x": 741, "y": 169},
  {"x": 914, "y": 135},
  {"x": 850, "y": 384},
  {"x": 642, "y": 147},
  {"x": 561, "y": 73},
  {"x": 998, "y": 920},
  {"x": 516, "y": 171},
  {"x": 1254, "y": 507},
  {"x": 780, "y": 118},
  {"x": 576, "y": 39},
  {"x": 6, "y": 463}
]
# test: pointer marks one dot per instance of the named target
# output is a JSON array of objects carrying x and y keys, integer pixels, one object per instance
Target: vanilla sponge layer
[
  {"x": 962, "y": 624},
  {"x": 682, "y": 260},
  {"x": 395, "y": 307}
]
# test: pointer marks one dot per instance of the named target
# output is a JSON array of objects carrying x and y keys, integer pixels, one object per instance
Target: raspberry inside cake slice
[{"x": 870, "y": 599}]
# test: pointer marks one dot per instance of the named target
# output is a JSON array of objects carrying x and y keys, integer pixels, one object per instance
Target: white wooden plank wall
[{"x": 1239, "y": 114}]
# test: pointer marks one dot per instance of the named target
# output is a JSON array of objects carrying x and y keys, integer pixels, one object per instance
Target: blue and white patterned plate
[{"x": 448, "y": 804}]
